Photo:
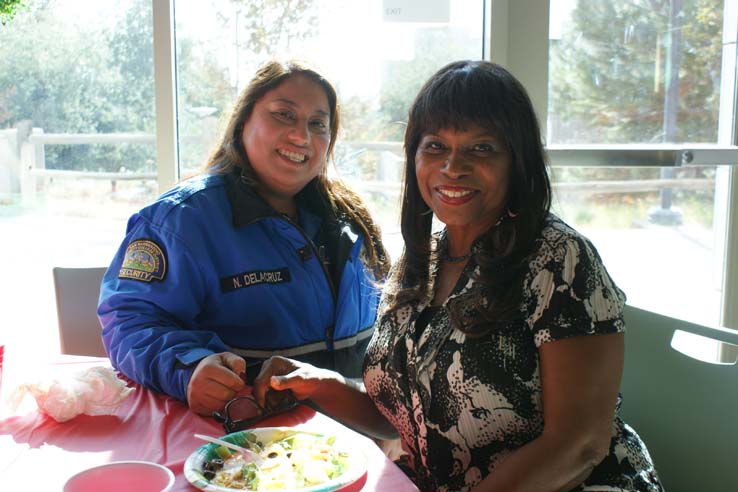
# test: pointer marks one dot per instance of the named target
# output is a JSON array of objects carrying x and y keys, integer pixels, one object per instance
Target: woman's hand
[
  {"x": 281, "y": 374},
  {"x": 343, "y": 399},
  {"x": 217, "y": 379}
]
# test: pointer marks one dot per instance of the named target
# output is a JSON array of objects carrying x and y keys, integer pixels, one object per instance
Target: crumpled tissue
[{"x": 93, "y": 391}]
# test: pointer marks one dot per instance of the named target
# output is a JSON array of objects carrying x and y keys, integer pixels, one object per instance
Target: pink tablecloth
[{"x": 38, "y": 453}]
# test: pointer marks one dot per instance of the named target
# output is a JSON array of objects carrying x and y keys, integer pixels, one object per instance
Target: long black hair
[{"x": 485, "y": 94}]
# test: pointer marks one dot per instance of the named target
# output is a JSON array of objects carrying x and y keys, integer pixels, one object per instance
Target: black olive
[
  {"x": 272, "y": 455},
  {"x": 208, "y": 474},
  {"x": 213, "y": 465}
]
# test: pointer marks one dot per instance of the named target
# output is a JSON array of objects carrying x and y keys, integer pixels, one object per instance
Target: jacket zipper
[
  {"x": 316, "y": 253},
  {"x": 314, "y": 249},
  {"x": 310, "y": 242},
  {"x": 329, "y": 332}
]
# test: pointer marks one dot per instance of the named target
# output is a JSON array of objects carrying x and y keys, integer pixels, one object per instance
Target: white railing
[{"x": 33, "y": 170}]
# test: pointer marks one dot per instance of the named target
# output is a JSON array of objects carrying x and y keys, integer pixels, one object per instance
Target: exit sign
[{"x": 416, "y": 10}]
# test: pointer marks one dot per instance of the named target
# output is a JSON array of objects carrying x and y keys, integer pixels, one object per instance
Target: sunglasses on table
[{"x": 243, "y": 412}]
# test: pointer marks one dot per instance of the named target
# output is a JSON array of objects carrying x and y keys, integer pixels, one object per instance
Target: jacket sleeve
[{"x": 150, "y": 298}]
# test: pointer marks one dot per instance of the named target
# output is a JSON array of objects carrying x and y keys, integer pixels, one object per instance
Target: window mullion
[
  {"x": 728, "y": 133},
  {"x": 524, "y": 34},
  {"x": 167, "y": 156},
  {"x": 643, "y": 155}
]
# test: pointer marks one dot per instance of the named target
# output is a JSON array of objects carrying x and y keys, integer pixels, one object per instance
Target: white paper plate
[{"x": 194, "y": 466}]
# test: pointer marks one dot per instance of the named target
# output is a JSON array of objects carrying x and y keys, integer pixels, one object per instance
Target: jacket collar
[{"x": 248, "y": 206}]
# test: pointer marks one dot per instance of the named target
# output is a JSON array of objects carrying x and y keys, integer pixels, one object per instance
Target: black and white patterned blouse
[{"x": 462, "y": 405}]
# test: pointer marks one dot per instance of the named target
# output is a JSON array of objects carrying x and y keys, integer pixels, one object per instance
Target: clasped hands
[{"x": 220, "y": 377}]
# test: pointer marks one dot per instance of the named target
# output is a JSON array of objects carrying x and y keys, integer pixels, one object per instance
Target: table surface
[{"x": 38, "y": 451}]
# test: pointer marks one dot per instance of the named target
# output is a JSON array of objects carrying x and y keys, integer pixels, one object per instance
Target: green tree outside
[
  {"x": 608, "y": 83},
  {"x": 607, "y": 74}
]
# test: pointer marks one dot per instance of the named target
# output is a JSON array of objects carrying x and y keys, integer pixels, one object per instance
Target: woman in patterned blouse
[{"x": 498, "y": 350}]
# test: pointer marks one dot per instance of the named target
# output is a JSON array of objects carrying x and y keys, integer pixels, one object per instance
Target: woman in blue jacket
[{"x": 260, "y": 255}]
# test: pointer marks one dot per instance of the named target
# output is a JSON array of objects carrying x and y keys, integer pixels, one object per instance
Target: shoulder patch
[{"x": 144, "y": 260}]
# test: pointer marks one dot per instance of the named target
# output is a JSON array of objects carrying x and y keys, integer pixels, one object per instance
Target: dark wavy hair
[
  {"x": 230, "y": 153},
  {"x": 485, "y": 94}
]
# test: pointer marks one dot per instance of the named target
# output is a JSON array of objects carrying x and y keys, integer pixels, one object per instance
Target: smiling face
[
  {"x": 286, "y": 139},
  {"x": 463, "y": 176}
]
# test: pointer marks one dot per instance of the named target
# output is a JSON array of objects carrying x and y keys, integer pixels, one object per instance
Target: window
[
  {"x": 635, "y": 77},
  {"x": 77, "y": 147},
  {"x": 78, "y": 119}
]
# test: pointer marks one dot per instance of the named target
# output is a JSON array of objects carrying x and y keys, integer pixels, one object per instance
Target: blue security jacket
[{"x": 210, "y": 267}]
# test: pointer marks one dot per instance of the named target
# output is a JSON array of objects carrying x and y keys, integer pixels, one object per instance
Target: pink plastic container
[{"x": 122, "y": 476}]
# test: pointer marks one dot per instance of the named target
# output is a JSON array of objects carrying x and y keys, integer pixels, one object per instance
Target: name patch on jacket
[
  {"x": 144, "y": 261},
  {"x": 249, "y": 279}
]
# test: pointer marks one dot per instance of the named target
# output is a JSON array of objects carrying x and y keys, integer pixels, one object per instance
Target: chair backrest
[
  {"x": 77, "y": 293},
  {"x": 684, "y": 409}
]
